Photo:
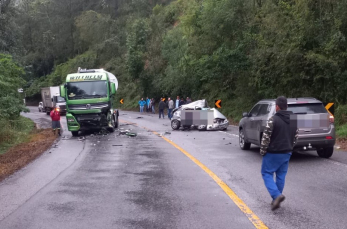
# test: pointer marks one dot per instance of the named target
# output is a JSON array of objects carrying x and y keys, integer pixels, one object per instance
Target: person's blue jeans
[
  {"x": 141, "y": 109},
  {"x": 169, "y": 113},
  {"x": 161, "y": 112},
  {"x": 278, "y": 164},
  {"x": 153, "y": 110}
]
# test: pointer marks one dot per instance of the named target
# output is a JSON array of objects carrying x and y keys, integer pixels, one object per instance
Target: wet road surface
[{"x": 116, "y": 181}]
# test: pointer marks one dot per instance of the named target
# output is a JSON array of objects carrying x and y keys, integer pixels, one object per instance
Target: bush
[
  {"x": 341, "y": 115},
  {"x": 13, "y": 132}
]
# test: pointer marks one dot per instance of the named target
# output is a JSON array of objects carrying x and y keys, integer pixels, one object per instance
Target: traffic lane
[
  {"x": 315, "y": 187},
  {"x": 44, "y": 121},
  {"x": 125, "y": 182},
  {"x": 26, "y": 183}
]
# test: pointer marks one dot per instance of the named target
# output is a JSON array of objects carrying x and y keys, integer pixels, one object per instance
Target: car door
[
  {"x": 260, "y": 120},
  {"x": 250, "y": 124}
]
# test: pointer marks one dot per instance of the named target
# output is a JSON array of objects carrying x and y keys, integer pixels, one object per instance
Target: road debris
[
  {"x": 131, "y": 134},
  {"x": 81, "y": 138},
  {"x": 139, "y": 117}
]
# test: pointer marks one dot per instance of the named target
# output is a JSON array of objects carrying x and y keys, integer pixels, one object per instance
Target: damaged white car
[{"x": 198, "y": 115}]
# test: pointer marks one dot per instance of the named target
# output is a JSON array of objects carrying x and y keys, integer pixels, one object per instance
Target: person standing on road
[
  {"x": 162, "y": 106},
  {"x": 177, "y": 102},
  {"x": 171, "y": 107},
  {"x": 142, "y": 103},
  {"x": 277, "y": 144},
  {"x": 55, "y": 116},
  {"x": 153, "y": 105},
  {"x": 148, "y": 101},
  {"x": 188, "y": 100},
  {"x": 181, "y": 102}
]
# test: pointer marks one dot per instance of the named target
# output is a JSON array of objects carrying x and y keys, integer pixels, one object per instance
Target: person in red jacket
[{"x": 55, "y": 115}]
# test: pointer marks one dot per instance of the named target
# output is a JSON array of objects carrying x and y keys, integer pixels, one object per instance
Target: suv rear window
[{"x": 307, "y": 108}]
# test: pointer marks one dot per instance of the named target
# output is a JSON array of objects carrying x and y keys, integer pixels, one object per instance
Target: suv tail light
[
  {"x": 329, "y": 137},
  {"x": 331, "y": 118}
]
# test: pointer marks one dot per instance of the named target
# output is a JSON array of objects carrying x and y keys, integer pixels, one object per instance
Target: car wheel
[
  {"x": 242, "y": 141},
  {"x": 74, "y": 133},
  {"x": 175, "y": 124},
  {"x": 325, "y": 152}
]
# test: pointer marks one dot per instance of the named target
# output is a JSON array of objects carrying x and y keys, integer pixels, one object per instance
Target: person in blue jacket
[
  {"x": 148, "y": 102},
  {"x": 142, "y": 103}
]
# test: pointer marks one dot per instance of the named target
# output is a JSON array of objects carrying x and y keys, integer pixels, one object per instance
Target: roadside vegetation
[
  {"x": 14, "y": 132},
  {"x": 239, "y": 51},
  {"x": 14, "y": 129}
]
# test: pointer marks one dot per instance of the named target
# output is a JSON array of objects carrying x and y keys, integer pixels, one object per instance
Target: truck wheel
[
  {"x": 175, "y": 124},
  {"x": 74, "y": 133},
  {"x": 242, "y": 141},
  {"x": 111, "y": 129},
  {"x": 325, "y": 152}
]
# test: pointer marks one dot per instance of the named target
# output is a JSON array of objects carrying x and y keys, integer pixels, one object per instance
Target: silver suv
[{"x": 315, "y": 124}]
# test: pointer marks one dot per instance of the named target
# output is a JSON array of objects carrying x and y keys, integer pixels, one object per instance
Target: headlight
[{"x": 71, "y": 120}]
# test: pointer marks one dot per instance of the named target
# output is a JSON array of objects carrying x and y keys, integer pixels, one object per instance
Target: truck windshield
[
  {"x": 84, "y": 90},
  {"x": 60, "y": 99}
]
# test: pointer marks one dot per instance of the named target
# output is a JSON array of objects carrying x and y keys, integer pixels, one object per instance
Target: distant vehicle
[
  {"x": 89, "y": 95},
  {"x": 198, "y": 115},
  {"x": 40, "y": 106},
  {"x": 315, "y": 124},
  {"x": 51, "y": 98}
]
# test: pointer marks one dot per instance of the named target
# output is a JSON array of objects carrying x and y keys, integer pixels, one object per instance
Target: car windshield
[
  {"x": 307, "y": 108},
  {"x": 87, "y": 90},
  {"x": 60, "y": 99}
]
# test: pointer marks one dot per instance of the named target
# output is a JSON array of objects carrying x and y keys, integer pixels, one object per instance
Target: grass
[
  {"x": 14, "y": 132},
  {"x": 341, "y": 131}
]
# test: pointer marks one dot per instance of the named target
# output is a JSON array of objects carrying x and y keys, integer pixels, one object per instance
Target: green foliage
[
  {"x": 341, "y": 115},
  {"x": 14, "y": 132},
  {"x": 235, "y": 50},
  {"x": 341, "y": 131},
  {"x": 10, "y": 81}
]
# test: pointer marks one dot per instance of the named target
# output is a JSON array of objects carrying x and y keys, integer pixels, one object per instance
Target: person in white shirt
[{"x": 177, "y": 102}]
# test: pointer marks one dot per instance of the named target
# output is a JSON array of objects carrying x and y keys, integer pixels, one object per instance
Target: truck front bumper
[{"x": 83, "y": 122}]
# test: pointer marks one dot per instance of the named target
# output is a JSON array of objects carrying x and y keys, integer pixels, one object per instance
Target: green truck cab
[{"x": 89, "y": 96}]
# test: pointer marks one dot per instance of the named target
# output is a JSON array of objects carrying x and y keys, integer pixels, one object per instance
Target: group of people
[
  {"x": 149, "y": 104},
  {"x": 169, "y": 104}
]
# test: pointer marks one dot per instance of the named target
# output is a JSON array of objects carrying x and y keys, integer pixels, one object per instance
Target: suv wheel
[
  {"x": 175, "y": 124},
  {"x": 325, "y": 152},
  {"x": 243, "y": 144}
]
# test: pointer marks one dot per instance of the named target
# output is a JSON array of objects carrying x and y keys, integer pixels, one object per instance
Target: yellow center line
[{"x": 255, "y": 220}]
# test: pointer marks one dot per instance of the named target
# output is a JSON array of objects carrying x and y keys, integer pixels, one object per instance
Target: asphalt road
[{"x": 115, "y": 181}]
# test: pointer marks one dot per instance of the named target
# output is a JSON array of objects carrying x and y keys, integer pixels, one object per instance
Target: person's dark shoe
[{"x": 277, "y": 202}]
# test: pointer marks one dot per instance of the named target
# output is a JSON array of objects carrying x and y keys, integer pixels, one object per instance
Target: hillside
[{"x": 235, "y": 50}]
